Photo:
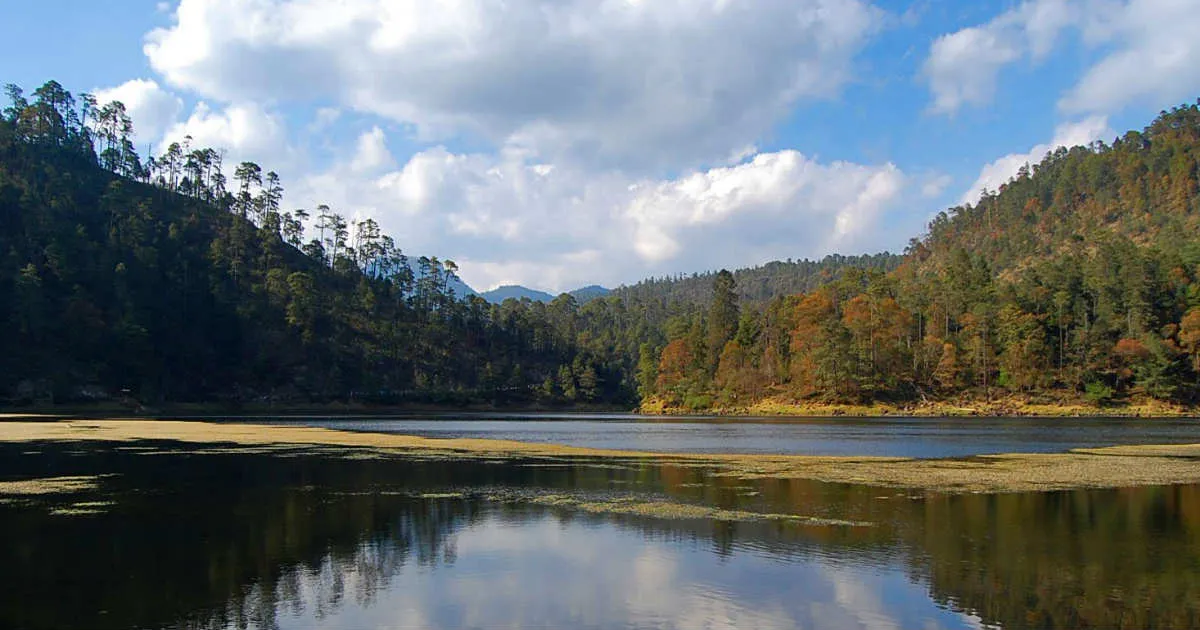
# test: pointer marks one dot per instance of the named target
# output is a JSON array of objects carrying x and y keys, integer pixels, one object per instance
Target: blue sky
[{"x": 557, "y": 144}]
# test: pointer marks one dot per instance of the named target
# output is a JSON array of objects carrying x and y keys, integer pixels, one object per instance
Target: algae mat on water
[{"x": 1080, "y": 468}]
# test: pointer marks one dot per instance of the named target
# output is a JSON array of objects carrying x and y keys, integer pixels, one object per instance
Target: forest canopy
[{"x": 178, "y": 277}]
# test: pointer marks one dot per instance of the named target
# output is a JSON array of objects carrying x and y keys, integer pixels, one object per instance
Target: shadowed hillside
[{"x": 172, "y": 279}]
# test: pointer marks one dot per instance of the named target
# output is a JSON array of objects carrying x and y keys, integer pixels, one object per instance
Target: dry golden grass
[{"x": 1099, "y": 467}]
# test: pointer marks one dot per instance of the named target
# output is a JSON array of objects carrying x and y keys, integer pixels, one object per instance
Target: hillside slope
[
  {"x": 155, "y": 282},
  {"x": 515, "y": 292},
  {"x": 1075, "y": 281},
  {"x": 1142, "y": 188},
  {"x": 756, "y": 285}
]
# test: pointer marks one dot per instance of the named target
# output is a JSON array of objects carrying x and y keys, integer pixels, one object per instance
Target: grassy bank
[
  {"x": 1102, "y": 467},
  {"x": 1005, "y": 406}
]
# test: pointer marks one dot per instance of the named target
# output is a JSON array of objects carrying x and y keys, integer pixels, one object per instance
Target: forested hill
[
  {"x": 756, "y": 285},
  {"x": 1142, "y": 188},
  {"x": 1080, "y": 279},
  {"x": 179, "y": 278}
]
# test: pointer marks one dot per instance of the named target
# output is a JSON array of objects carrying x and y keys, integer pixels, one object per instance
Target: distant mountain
[
  {"x": 517, "y": 292},
  {"x": 589, "y": 293},
  {"x": 460, "y": 288},
  {"x": 453, "y": 283}
]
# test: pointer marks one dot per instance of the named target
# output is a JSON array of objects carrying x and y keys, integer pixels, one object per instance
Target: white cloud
[
  {"x": 1000, "y": 171},
  {"x": 962, "y": 66},
  {"x": 934, "y": 184},
  {"x": 1153, "y": 57},
  {"x": 804, "y": 203},
  {"x": 861, "y": 600},
  {"x": 1150, "y": 50},
  {"x": 151, "y": 108},
  {"x": 244, "y": 131},
  {"x": 555, "y": 273},
  {"x": 588, "y": 105},
  {"x": 324, "y": 118},
  {"x": 507, "y": 573},
  {"x": 627, "y": 84},
  {"x": 372, "y": 153},
  {"x": 506, "y": 219}
]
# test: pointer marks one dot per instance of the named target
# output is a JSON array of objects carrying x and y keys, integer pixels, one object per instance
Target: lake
[
  {"x": 223, "y": 537},
  {"x": 898, "y": 437}
]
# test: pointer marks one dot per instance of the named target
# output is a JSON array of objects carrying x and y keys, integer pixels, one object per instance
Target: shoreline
[
  {"x": 216, "y": 410},
  {"x": 1107, "y": 467},
  {"x": 1009, "y": 407}
]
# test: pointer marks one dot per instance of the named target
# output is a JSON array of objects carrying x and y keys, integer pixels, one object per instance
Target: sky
[{"x": 561, "y": 143}]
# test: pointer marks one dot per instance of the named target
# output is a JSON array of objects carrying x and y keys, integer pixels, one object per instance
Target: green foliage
[
  {"x": 647, "y": 369},
  {"x": 155, "y": 281},
  {"x": 162, "y": 278},
  {"x": 723, "y": 316},
  {"x": 755, "y": 285},
  {"x": 698, "y": 402},
  {"x": 1080, "y": 275},
  {"x": 1098, "y": 393}
]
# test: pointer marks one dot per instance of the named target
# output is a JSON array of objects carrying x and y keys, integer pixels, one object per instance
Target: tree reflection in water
[{"x": 219, "y": 539}]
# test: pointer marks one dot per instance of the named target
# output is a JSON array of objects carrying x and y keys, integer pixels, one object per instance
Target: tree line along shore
[{"x": 177, "y": 279}]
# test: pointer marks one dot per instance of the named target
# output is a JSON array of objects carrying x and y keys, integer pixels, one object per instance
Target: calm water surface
[
  {"x": 219, "y": 537},
  {"x": 899, "y": 437}
]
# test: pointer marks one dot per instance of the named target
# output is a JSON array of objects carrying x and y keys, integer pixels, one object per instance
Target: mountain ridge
[{"x": 519, "y": 292}]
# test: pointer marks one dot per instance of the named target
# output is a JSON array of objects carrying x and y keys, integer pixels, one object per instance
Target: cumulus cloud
[
  {"x": 933, "y": 184},
  {"x": 151, "y": 108},
  {"x": 583, "y": 107},
  {"x": 506, "y": 219},
  {"x": 1000, "y": 171},
  {"x": 805, "y": 204},
  {"x": 962, "y": 66},
  {"x": 371, "y": 152},
  {"x": 1153, "y": 56},
  {"x": 1150, "y": 47},
  {"x": 619, "y": 83},
  {"x": 244, "y": 131}
]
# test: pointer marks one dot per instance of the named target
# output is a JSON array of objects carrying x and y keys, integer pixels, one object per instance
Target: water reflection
[
  {"x": 227, "y": 540},
  {"x": 893, "y": 436}
]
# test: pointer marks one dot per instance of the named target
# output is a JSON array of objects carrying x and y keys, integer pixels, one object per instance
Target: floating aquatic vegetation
[
  {"x": 1082, "y": 468},
  {"x": 442, "y": 495},
  {"x": 650, "y": 506},
  {"x": 51, "y": 485},
  {"x": 91, "y": 508}
]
